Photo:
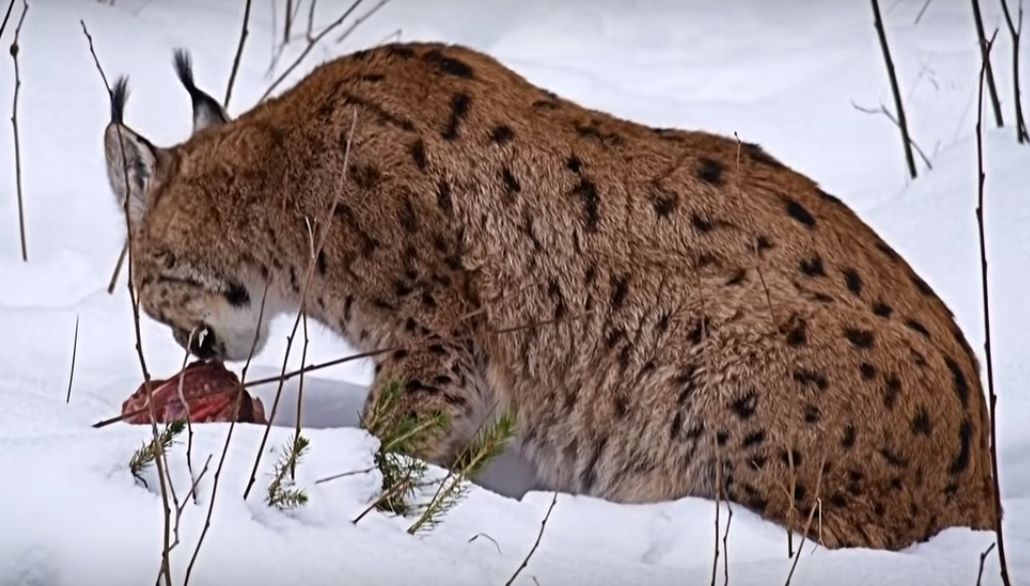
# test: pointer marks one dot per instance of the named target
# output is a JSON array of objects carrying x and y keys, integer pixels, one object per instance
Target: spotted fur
[{"x": 712, "y": 307}]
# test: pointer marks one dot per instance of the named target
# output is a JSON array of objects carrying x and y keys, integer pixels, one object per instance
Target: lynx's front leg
[{"x": 427, "y": 382}]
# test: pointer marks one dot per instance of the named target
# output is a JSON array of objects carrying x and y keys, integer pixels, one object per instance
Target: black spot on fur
[
  {"x": 587, "y": 192},
  {"x": 592, "y": 132},
  {"x": 868, "y": 371},
  {"x": 922, "y": 285},
  {"x": 892, "y": 458},
  {"x": 698, "y": 330},
  {"x": 812, "y": 414},
  {"x": 710, "y": 171},
  {"x": 888, "y": 251},
  {"x": 829, "y": 197},
  {"x": 759, "y": 155},
  {"x": 797, "y": 336},
  {"x": 237, "y": 295},
  {"x": 917, "y": 326},
  {"x": 502, "y": 134},
  {"x": 428, "y": 300},
  {"x": 371, "y": 77},
  {"x": 402, "y": 289},
  {"x": 848, "y": 441},
  {"x": 813, "y": 267},
  {"x": 701, "y": 224},
  {"x": 753, "y": 439},
  {"x": 365, "y": 176},
  {"x": 613, "y": 337},
  {"x": 677, "y": 425},
  {"x": 574, "y": 164},
  {"x": 854, "y": 281},
  {"x": 320, "y": 262},
  {"x": 959, "y": 382},
  {"x": 882, "y": 309},
  {"x": 685, "y": 380},
  {"x": 721, "y": 437},
  {"x": 738, "y": 277},
  {"x": 859, "y": 338},
  {"x": 921, "y": 424},
  {"x": 418, "y": 153},
  {"x": 838, "y": 500},
  {"x": 511, "y": 184},
  {"x": 791, "y": 458},
  {"x": 443, "y": 197},
  {"x": 892, "y": 388},
  {"x": 745, "y": 405},
  {"x": 800, "y": 214},
  {"x": 762, "y": 243},
  {"x": 554, "y": 290},
  {"x": 961, "y": 461},
  {"x": 459, "y": 109},
  {"x": 448, "y": 65},
  {"x": 811, "y": 379},
  {"x": 620, "y": 290}
]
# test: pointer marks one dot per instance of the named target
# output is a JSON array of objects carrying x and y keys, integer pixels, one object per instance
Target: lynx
[{"x": 668, "y": 313}]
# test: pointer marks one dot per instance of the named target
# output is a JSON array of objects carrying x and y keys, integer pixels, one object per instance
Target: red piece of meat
[{"x": 210, "y": 391}]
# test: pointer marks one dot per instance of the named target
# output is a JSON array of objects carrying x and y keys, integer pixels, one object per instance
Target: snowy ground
[{"x": 783, "y": 74}]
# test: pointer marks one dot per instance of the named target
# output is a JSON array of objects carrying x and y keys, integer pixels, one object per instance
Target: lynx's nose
[{"x": 203, "y": 344}]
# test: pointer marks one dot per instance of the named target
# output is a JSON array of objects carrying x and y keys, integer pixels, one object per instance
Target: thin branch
[
  {"x": 536, "y": 544},
  {"x": 902, "y": 121},
  {"x": 344, "y": 475},
  {"x": 117, "y": 268},
  {"x": 228, "y": 437},
  {"x": 883, "y": 110},
  {"x": 726, "y": 547},
  {"x": 162, "y": 473},
  {"x": 718, "y": 501},
  {"x": 1016, "y": 32},
  {"x": 357, "y": 22},
  {"x": 816, "y": 505},
  {"x": 311, "y": 20},
  {"x": 244, "y": 31},
  {"x": 983, "y": 558},
  {"x": 287, "y": 25},
  {"x": 306, "y": 285},
  {"x": 7, "y": 16},
  {"x": 14, "y": 124},
  {"x": 311, "y": 45},
  {"x": 75, "y": 351},
  {"x": 922, "y": 11},
  {"x": 300, "y": 390},
  {"x": 986, "y": 62},
  {"x": 987, "y": 316}
]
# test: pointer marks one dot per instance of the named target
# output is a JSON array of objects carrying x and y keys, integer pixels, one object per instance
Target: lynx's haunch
[{"x": 711, "y": 314}]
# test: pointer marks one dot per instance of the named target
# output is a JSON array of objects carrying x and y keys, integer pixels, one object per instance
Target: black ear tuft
[
  {"x": 119, "y": 95},
  {"x": 207, "y": 111},
  {"x": 184, "y": 69}
]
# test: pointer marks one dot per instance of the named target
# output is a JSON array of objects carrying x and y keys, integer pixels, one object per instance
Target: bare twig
[
  {"x": 186, "y": 404},
  {"x": 396, "y": 489},
  {"x": 288, "y": 23},
  {"x": 987, "y": 316},
  {"x": 902, "y": 121},
  {"x": 983, "y": 558},
  {"x": 922, "y": 11},
  {"x": 117, "y": 268},
  {"x": 326, "y": 224},
  {"x": 488, "y": 538},
  {"x": 344, "y": 475},
  {"x": 718, "y": 501},
  {"x": 986, "y": 62},
  {"x": 883, "y": 110},
  {"x": 311, "y": 20},
  {"x": 159, "y": 461},
  {"x": 1016, "y": 31},
  {"x": 536, "y": 544},
  {"x": 228, "y": 437},
  {"x": 311, "y": 45},
  {"x": 14, "y": 124},
  {"x": 300, "y": 391},
  {"x": 726, "y": 547},
  {"x": 7, "y": 16},
  {"x": 357, "y": 22},
  {"x": 244, "y": 31},
  {"x": 817, "y": 505},
  {"x": 75, "y": 351}
]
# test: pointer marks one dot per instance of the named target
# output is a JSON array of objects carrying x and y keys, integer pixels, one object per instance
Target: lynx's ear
[
  {"x": 207, "y": 112},
  {"x": 132, "y": 161}
]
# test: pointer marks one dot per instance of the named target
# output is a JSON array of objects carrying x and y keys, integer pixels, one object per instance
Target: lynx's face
[{"x": 213, "y": 310}]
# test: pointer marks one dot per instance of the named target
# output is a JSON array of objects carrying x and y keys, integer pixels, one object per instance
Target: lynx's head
[{"x": 184, "y": 267}]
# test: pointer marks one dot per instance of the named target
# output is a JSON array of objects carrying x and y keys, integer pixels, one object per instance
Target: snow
[{"x": 783, "y": 74}]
